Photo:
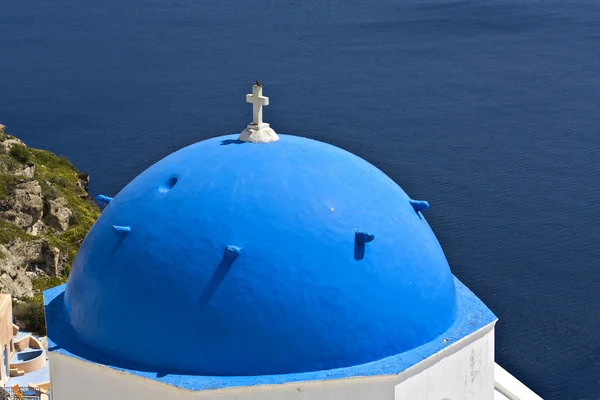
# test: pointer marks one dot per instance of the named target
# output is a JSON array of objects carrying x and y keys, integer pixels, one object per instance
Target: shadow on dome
[
  {"x": 64, "y": 338},
  {"x": 227, "y": 142}
]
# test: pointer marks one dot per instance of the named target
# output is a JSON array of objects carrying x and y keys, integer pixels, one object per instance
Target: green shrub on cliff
[
  {"x": 20, "y": 153},
  {"x": 61, "y": 177},
  {"x": 7, "y": 184},
  {"x": 9, "y": 232},
  {"x": 29, "y": 315}
]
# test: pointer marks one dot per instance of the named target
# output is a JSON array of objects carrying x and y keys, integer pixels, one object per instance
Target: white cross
[{"x": 258, "y": 101}]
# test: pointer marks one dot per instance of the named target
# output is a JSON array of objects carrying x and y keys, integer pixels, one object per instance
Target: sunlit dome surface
[{"x": 239, "y": 258}]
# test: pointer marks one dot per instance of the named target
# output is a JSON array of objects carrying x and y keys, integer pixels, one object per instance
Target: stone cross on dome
[
  {"x": 258, "y": 101},
  {"x": 258, "y": 131}
]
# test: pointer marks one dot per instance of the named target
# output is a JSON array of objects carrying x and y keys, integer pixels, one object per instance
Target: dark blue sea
[{"x": 488, "y": 109}]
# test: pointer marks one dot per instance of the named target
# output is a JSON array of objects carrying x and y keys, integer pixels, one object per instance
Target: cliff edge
[{"x": 45, "y": 212}]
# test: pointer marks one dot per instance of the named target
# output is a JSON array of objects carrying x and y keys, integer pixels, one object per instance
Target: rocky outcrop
[
  {"x": 25, "y": 207},
  {"x": 84, "y": 181},
  {"x": 39, "y": 228},
  {"x": 58, "y": 214},
  {"x": 24, "y": 260},
  {"x": 6, "y": 141},
  {"x": 26, "y": 171}
]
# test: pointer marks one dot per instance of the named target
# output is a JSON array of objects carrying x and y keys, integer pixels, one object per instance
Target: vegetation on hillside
[{"x": 57, "y": 178}]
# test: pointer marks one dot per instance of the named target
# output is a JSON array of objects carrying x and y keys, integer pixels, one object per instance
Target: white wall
[
  {"x": 462, "y": 371},
  {"x": 510, "y": 388},
  {"x": 6, "y": 335},
  {"x": 467, "y": 374}
]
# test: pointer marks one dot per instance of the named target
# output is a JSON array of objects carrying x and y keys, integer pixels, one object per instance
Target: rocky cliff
[{"x": 45, "y": 212}]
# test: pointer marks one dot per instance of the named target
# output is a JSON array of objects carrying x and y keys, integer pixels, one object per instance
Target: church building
[{"x": 264, "y": 266}]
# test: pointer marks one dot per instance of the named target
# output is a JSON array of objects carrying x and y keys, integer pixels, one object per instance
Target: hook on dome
[
  {"x": 229, "y": 256},
  {"x": 121, "y": 230},
  {"x": 361, "y": 238},
  {"x": 102, "y": 201},
  {"x": 364, "y": 237},
  {"x": 419, "y": 205}
]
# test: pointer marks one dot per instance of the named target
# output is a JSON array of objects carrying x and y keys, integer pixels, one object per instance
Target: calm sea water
[{"x": 488, "y": 109}]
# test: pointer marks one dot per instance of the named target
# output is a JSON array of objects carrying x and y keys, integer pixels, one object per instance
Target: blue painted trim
[{"x": 472, "y": 316}]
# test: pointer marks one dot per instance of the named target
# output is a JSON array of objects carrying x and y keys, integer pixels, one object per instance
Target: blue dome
[{"x": 236, "y": 258}]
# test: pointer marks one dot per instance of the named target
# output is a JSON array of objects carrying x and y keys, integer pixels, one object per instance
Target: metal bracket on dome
[
  {"x": 121, "y": 230},
  {"x": 360, "y": 239},
  {"x": 419, "y": 205},
  {"x": 229, "y": 256},
  {"x": 102, "y": 200}
]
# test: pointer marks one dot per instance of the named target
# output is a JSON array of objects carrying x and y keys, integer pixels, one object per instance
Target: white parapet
[
  {"x": 507, "y": 387},
  {"x": 464, "y": 370}
]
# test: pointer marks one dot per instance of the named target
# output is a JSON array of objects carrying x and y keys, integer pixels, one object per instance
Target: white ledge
[{"x": 507, "y": 387}]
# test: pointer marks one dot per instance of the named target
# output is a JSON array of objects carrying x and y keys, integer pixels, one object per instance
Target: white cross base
[
  {"x": 258, "y": 134},
  {"x": 258, "y": 131}
]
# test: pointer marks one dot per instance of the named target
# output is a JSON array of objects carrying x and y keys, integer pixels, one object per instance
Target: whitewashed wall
[
  {"x": 467, "y": 374},
  {"x": 462, "y": 371}
]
